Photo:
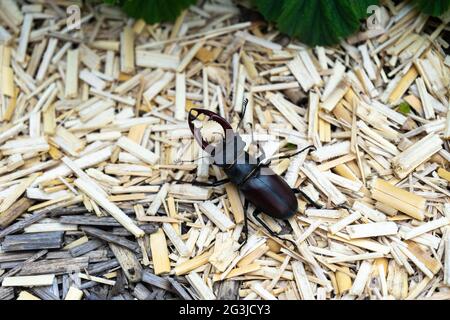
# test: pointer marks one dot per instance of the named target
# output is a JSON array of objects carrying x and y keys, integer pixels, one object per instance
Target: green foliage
[
  {"x": 314, "y": 22},
  {"x": 360, "y": 7},
  {"x": 318, "y": 22},
  {"x": 291, "y": 146},
  {"x": 270, "y": 9},
  {"x": 404, "y": 108},
  {"x": 434, "y": 8},
  {"x": 153, "y": 11}
]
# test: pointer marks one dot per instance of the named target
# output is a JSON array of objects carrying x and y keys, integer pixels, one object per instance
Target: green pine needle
[{"x": 404, "y": 108}]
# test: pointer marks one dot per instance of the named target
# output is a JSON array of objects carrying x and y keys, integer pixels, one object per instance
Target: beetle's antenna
[
  {"x": 297, "y": 152},
  {"x": 244, "y": 108}
]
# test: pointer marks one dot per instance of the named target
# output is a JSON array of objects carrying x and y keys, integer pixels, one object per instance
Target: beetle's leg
[
  {"x": 297, "y": 152},
  {"x": 304, "y": 195},
  {"x": 256, "y": 214},
  {"x": 205, "y": 184},
  {"x": 245, "y": 228},
  {"x": 267, "y": 164},
  {"x": 211, "y": 184}
]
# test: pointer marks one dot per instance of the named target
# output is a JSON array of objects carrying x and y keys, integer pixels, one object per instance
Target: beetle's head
[
  {"x": 223, "y": 150},
  {"x": 226, "y": 152}
]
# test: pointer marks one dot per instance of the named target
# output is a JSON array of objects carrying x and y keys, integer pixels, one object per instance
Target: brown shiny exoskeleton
[{"x": 259, "y": 184}]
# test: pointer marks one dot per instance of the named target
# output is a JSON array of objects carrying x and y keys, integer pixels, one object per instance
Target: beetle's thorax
[
  {"x": 242, "y": 169},
  {"x": 230, "y": 155}
]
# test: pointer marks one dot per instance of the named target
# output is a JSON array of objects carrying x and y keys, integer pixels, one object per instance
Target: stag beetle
[{"x": 259, "y": 184}]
